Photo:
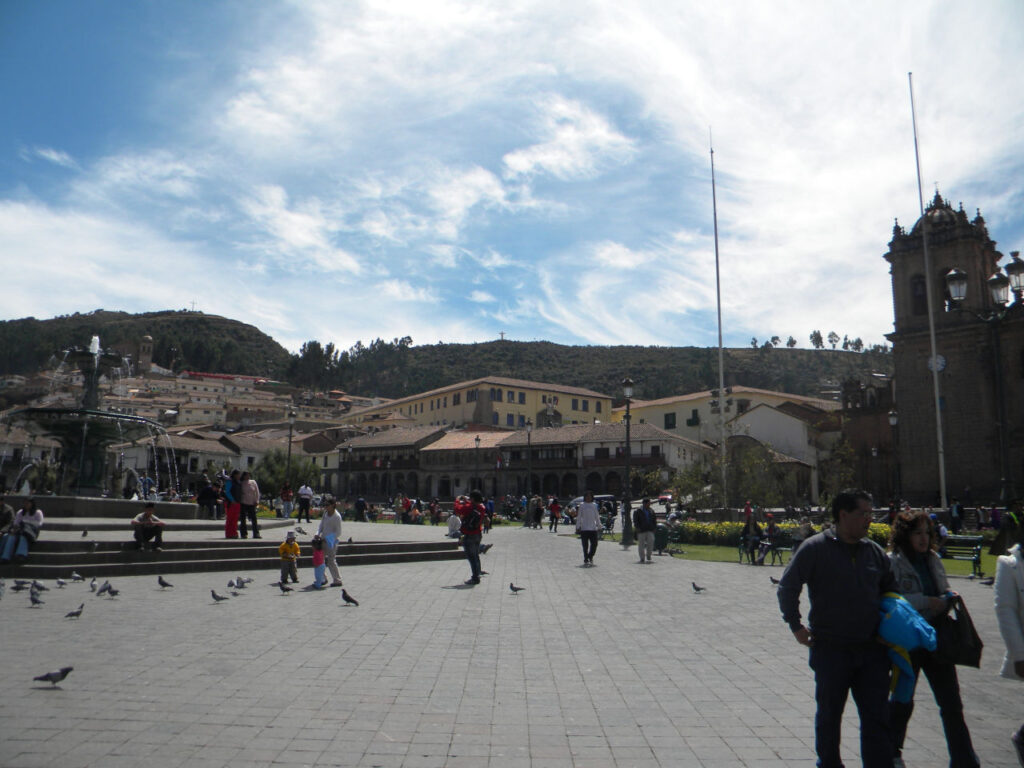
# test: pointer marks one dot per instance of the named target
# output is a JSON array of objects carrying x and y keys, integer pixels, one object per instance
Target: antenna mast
[{"x": 721, "y": 356}]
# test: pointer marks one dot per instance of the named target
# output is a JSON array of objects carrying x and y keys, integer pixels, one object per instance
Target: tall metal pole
[
  {"x": 627, "y": 522},
  {"x": 288, "y": 467},
  {"x": 529, "y": 466},
  {"x": 929, "y": 295},
  {"x": 721, "y": 354}
]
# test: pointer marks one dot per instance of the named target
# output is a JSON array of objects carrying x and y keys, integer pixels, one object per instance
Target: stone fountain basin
[{"x": 90, "y": 506}]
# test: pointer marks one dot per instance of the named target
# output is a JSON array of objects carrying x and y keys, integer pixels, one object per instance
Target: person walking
[
  {"x": 846, "y": 575},
  {"x": 330, "y": 532},
  {"x": 922, "y": 581},
  {"x": 1009, "y": 605},
  {"x": 287, "y": 496},
  {"x": 554, "y": 515},
  {"x": 305, "y": 502},
  {"x": 588, "y": 523},
  {"x": 645, "y": 523},
  {"x": 471, "y": 512},
  {"x": 249, "y": 500}
]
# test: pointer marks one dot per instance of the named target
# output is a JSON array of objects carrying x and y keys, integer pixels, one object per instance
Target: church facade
[{"x": 980, "y": 359}]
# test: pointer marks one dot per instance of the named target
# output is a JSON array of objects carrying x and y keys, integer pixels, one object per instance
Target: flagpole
[
  {"x": 929, "y": 295},
  {"x": 721, "y": 356}
]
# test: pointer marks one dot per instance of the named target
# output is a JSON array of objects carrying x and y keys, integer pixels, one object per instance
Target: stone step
[{"x": 65, "y": 524}]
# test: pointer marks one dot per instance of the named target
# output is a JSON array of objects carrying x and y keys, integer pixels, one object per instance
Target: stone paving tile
[{"x": 617, "y": 665}]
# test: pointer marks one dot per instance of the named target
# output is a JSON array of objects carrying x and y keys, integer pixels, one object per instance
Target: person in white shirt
[
  {"x": 588, "y": 523},
  {"x": 1009, "y": 605},
  {"x": 305, "y": 501},
  {"x": 330, "y": 531},
  {"x": 454, "y": 526}
]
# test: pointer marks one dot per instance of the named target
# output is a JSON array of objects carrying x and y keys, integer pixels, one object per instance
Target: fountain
[{"x": 85, "y": 433}]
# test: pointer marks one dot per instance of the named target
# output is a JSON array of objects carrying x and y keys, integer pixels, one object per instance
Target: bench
[{"x": 963, "y": 548}]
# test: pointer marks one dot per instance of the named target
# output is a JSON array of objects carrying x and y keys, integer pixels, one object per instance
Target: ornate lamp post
[
  {"x": 627, "y": 521},
  {"x": 999, "y": 286},
  {"x": 894, "y": 420},
  {"x": 476, "y": 463},
  {"x": 529, "y": 460},
  {"x": 288, "y": 467}
]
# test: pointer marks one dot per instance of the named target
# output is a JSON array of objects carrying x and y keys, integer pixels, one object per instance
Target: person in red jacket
[{"x": 472, "y": 511}]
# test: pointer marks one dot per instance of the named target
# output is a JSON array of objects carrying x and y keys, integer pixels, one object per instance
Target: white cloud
[
  {"x": 481, "y": 297},
  {"x": 55, "y": 156},
  {"x": 578, "y": 142}
]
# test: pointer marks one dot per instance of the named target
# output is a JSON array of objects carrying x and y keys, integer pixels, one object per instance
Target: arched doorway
[
  {"x": 411, "y": 484},
  {"x": 444, "y": 487},
  {"x": 594, "y": 483},
  {"x": 613, "y": 484},
  {"x": 551, "y": 484},
  {"x": 361, "y": 485},
  {"x": 570, "y": 486}
]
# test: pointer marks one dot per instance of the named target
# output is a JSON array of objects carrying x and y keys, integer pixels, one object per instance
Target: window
[
  {"x": 510, "y": 396},
  {"x": 522, "y": 398},
  {"x": 494, "y": 418},
  {"x": 522, "y": 420},
  {"x": 597, "y": 406},
  {"x": 694, "y": 419},
  {"x": 456, "y": 398},
  {"x": 655, "y": 450},
  {"x": 251, "y": 460},
  {"x": 510, "y": 420},
  {"x": 431, "y": 405},
  {"x": 575, "y": 404},
  {"x": 918, "y": 295},
  {"x": 497, "y": 394},
  {"x": 586, "y": 405},
  {"x": 601, "y": 453},
  {"x": 670, "y": 420}
]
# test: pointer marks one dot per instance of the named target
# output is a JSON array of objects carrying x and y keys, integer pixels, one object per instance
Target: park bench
[{"x": 964, "y": 548}]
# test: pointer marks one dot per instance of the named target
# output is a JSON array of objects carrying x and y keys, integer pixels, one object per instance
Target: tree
[
  {"x": 835, "y": 472},
  {"x": 790, "y": 342},
  {"x": 833, "y": 338},
  {"x": 816, "y": 340},
  {"x": 698, "y": 486},
  {"x": 857, "y": 345},
  {"x": 271, "y": 471},
  {"x": 753, "y": 342},
  {"x": 753, "y": 474},
  {"x": 775, "y": 340},
  {"x": 846, "y": 343}
]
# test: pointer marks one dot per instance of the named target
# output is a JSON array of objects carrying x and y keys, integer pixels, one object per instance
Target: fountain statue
[{"x": 85, "y": 433}]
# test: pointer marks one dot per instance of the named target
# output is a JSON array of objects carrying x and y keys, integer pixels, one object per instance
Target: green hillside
[{"x": 196, "y": 341}]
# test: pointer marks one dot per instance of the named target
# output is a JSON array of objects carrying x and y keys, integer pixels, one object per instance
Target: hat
[
  {"x": 770, "y": 515},
  {"x": 290, "y": 535},
  {"x": 933, "y": 516}
]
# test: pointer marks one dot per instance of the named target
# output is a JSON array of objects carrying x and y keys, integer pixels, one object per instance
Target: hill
[
  {"x": 196, "y": 341},
  {"x": 181, "y": 340}
]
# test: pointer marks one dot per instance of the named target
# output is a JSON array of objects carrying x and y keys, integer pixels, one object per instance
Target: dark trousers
[
  {"x": 553, "y": 523},
  {"x": 144, "y": 533},
  {"x": 862, "y": 669},
  {"x": 589, "y": 541},
  {"x": 289, "y": 571},
  {"x": 248, "y": 512},
  {"x": 471, "y": 545},
  {"x": 946, "y": 689},
  {"x": 303, "y": 508}
]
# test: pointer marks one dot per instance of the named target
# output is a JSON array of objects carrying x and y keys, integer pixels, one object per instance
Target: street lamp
[
  {"x": 627, "y": 522},
  {"x": 387, "y": 479},
  {"x": 348, "y": 473},
  {"x": 894, "y": 420},
  {"x": 999, "y": 286},
  {"x": 476, "y": 464},
  {"x": 529, "y": 460},
  {"x": 288, "y": 468}
]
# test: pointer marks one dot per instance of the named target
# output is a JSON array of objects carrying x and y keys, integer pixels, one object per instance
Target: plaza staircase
[{"x": 58, "y": 557}]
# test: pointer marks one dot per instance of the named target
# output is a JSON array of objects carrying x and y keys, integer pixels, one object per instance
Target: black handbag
[{"x": 957, "y": 641}]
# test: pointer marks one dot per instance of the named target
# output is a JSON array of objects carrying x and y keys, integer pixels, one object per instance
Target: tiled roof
[
  {"x": 254, "y": 444},
  {"x": 827, "y": 405},
  {"x": 466, "y": 439},
  {"x": 594, "y": 433},
  {"x": 390, "y": 438}
]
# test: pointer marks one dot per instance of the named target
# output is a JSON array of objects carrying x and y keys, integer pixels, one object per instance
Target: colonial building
[{"x": 980, "y": 362}]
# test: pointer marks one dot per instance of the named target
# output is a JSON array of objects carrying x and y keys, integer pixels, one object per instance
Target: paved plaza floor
[{"x": 616, "y": 665}]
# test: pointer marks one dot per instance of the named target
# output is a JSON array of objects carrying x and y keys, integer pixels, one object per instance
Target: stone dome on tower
[{"x": 940, "y": 215}]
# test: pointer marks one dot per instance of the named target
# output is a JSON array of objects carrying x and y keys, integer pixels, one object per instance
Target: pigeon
[
  {"x": 484, "y": 548},
  {"x": 85, "y": 533},
  {"x": 3, "y": 588},
  {"x": 19, "y": 587},
  {"x": 299, "y": 529},
  {"x": 103, "y": 588},
  {"x": 92, "y": 584},
  {"x": 285, "y": 589},
  {"x": 349, "y": 539},
  {"x": 514, "y": 588},
  {"x": 164, "y": 584},
  {"x": 249, "y": 580},
  {"x": 696, "y": 588},
  {"x": 234, "y": 593},
  {"x": 94, "y": 546},
  {"x": 239, "y": 582},
  {"x": 75, "y": 614},
  {"x": 113, "y": 592},
  {"x": 35, "y": 599},
  {"x": 54, "y": 677},
  {"x": 61, "y": 583},
  {"x": 75, "y": 576},
  {"x": 349, "y": 599},
  {"x": 40, "y": 586},
  {"x": 231, "y": 583},
  {"x": 989, "y": 581},
  {"x": 216, "y": 597},
  {"x": 773, "y": 580},
  {"x": 21, "y": 583}
]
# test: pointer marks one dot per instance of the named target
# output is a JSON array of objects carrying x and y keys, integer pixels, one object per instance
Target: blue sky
[{"x": 448, "y": 171}]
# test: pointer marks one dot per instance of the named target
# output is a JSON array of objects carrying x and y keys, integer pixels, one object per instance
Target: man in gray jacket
[{"x": 846, "y": 575}]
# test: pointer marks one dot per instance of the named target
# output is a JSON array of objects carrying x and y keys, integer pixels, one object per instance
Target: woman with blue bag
[
  {"x": 921, "y": 579},
  {"x": 23, "y": 534}
]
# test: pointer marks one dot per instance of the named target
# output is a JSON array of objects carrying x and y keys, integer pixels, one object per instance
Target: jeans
[
  {"x": 589, "y": 541},
  {"x": 13, "y": 545},
  {"x": 471, "y": 545},
  {"x": 946, "y": 688},
  {"x": 286, "y": 508},
  {"x": 863, "y": 669},
  {"x": 319, "y": 579},
  {"x": 645, "y": 544},
  {"x": 249, "y": 511},
  {"x": 144, "y": 533}
]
